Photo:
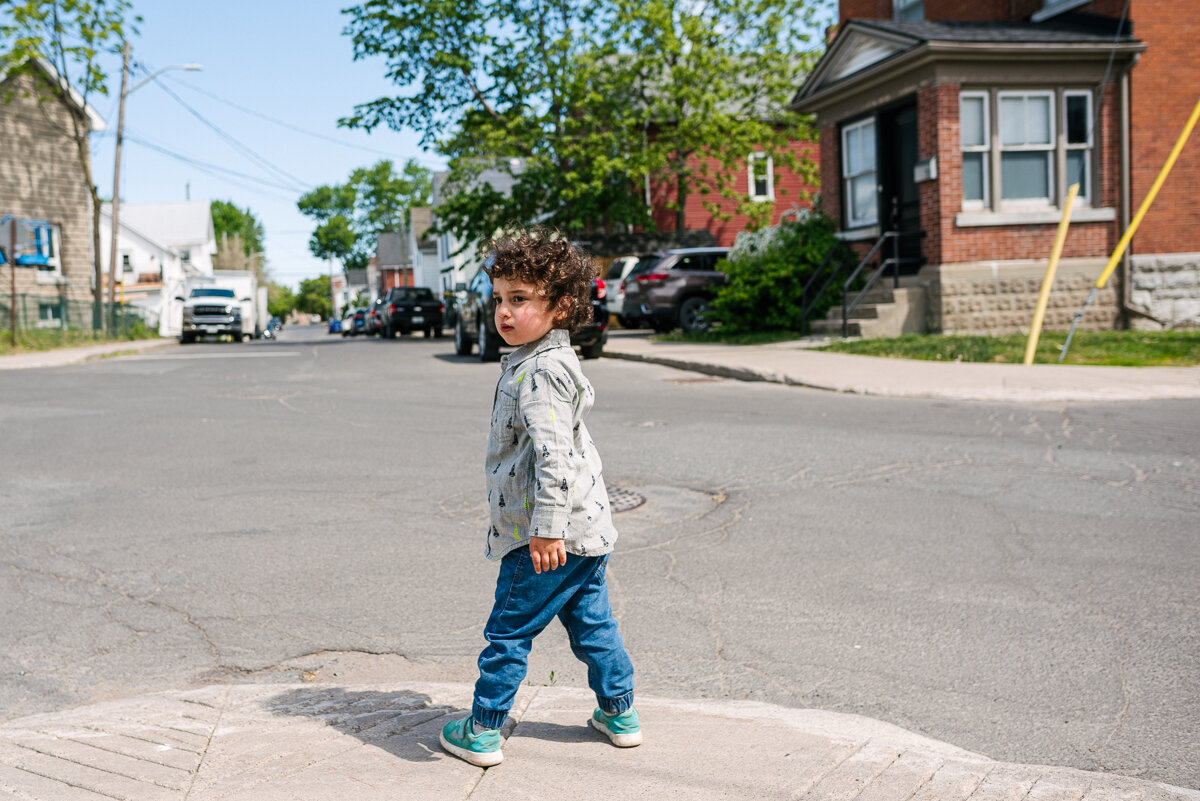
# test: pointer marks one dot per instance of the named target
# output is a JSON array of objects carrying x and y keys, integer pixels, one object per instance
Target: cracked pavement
[{"x": 1018, "y": 580}]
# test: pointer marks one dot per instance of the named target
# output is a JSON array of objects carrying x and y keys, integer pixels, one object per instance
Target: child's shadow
[{"x": 403, "y": 723}]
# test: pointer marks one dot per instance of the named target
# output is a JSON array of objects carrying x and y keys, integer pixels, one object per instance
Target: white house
[
  {"x": 159, "y": 246},
  {"x": 456, "y": 263}
]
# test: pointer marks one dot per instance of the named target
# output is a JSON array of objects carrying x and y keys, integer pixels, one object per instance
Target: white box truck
[{"x": 226, "y": 303}]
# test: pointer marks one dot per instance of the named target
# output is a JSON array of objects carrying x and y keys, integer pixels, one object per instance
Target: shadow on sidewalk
[{"x": 403, "y": 723}]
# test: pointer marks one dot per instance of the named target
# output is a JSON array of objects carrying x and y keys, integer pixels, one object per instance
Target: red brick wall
[
  {"x": 790, "y": 190},
  {"x": 1165, "y": 86}
]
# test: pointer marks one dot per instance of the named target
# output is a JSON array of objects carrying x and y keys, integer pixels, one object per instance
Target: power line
[
  {"x": 216, "y": 171},
  {"x": 204, "y": 164},
  {"x": 293, "y": 127},
  {"x": 245, "y": 150}
]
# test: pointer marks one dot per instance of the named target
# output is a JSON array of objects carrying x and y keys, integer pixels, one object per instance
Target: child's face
[{"x": 523, "y": 313}]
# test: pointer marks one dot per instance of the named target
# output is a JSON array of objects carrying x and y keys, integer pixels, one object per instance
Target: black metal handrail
[
  {"x": 810, "y": 301},
  {"x": 894, "y": 261}
]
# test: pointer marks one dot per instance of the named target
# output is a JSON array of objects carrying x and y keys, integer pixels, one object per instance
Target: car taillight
[
  {"x": 601, "y": 289},
  {"x": 621, "y": 288},
  {"x": 391, "y": 308},
  {"x": 442, "y": 308},
  {"x": 652, "y": 278}
]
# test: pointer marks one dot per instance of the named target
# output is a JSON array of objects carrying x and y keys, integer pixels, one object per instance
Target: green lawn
[
  {"x": 34, "y": 340},
  {"x": 1125, "y": 348}
]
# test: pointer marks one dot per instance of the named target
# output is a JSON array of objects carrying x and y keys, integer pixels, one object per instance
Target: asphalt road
[{"x": 1019, "y": 580}]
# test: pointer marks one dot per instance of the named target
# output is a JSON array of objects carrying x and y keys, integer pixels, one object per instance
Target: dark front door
[{"x": 899, "y": 202}]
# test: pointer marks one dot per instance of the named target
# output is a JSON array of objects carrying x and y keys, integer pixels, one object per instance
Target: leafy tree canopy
[
  {"x": 230, "y": 220},
  {"x": 314, "y": 297},
  {"x": 374, "y": 200},
  {"x": 573, "y": 102}
]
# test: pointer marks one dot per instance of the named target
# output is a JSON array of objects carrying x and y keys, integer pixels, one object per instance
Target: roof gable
[{"x": 185, "y": 224}]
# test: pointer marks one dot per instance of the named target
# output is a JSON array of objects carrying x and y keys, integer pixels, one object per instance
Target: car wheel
[
  {"x": 489, "y": 348},
  {"x": 593, "y": 351},
  {"x": 437, "y": 331},
  {"x": 428, "y": 332},
  {"x": 691, "y": 315},
  {"x": 187, "y": 339},
  {"x": 462, "y": 345}
]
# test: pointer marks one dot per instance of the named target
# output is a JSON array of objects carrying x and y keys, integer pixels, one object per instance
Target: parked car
[
  {"x": 354, "y": 322},
  {"x": 618, "y": 271},
  {"x": 412, "y": 308},
  {"x": 335, "y": 325},
  {"x": 274, "y": 324},
  {"x": 672, "y": 288},
  {"x": 476, "y": 322},
  {"x": 375, "y": 318}
]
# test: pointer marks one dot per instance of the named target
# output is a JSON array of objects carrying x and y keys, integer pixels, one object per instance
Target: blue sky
[{"x": 285, "y": 59}]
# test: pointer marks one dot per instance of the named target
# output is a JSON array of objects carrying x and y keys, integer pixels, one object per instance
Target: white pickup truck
[
  {"x": 214, "y": 311},
  {"x": 226, "y": 303}
]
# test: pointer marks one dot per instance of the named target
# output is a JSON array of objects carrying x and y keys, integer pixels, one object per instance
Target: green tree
[
  {"x": 506, "y": 86},
  {"x": 230, "y": 220},
  {"x": 374, "y": 200},
  {"x": 281, "y": 300},
  {"x": 72, "y": 36},
  {"x": 709, "y": 83},
  {"x": 577, "y": 101},
  {"x": 315, "y": 297}
]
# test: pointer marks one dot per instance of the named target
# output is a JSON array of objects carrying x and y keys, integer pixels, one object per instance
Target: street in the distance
[{"x": 1017, "y": 580}]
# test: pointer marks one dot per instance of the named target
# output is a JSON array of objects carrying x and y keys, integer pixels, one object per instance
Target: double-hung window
[
  {"x": 761, "y": 171},
  {"x": 975, "y": 135},
  {"x": 1077, "y": 125},
  {"x": 1026, "y": 125},
  {"x": 858, "y": 173},
  {"x": 1020, "y": 150},
  {"x": 909, "y": 9}
]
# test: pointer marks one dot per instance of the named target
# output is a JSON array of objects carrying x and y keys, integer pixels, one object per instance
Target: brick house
[
  {"x": 41, "y": 179},
  {"x": 968, "y": 121},
  {"x": 758, "y": 179}
]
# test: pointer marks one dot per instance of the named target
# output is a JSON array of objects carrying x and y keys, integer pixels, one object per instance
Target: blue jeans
[{"x": 526, "y": 602}]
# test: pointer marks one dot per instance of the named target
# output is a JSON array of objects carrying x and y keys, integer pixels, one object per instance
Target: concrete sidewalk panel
[{"x": 324, "y": 743}]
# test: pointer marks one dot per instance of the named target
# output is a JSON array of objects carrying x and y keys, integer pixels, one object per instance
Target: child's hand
[{"x": 547, "y": 554}]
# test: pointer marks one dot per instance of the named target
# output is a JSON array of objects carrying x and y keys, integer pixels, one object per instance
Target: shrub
[{"x": 767, "y": 271}]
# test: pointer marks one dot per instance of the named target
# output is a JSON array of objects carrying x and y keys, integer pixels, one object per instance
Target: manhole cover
[{"x": 622, "y": 500}]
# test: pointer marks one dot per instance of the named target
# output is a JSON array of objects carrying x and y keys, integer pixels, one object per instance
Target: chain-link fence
[{"x": 41, "y": 313}]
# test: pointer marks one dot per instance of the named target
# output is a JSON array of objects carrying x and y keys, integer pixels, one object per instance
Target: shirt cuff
[{"x": 550, "y": 522}]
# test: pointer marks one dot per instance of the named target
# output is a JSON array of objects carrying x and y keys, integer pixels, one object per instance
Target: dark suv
[
  {"x": 411, "y": 308},
  {"x": 476, "y": 323},
  {"x": 672, "y": 288}
]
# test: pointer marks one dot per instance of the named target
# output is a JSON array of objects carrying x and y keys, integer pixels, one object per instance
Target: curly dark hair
[{"x": 559, "y": 269}]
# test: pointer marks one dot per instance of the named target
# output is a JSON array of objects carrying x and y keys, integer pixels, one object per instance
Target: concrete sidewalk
[
  {"x": 64, "y": 356},
  {"x": 322, "y": 742},
  {"x": 798, "y": 364}
]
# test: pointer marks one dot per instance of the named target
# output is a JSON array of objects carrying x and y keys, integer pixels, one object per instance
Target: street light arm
[{"x": 158, "y": 72}]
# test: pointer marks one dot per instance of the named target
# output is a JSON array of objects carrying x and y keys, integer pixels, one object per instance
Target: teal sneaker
[
  {"x": 480, "y": 748},
  {"x": 623, "y": 729}
]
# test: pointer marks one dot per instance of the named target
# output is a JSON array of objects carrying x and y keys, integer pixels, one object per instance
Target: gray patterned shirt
[{"x": 543, "y": 473}]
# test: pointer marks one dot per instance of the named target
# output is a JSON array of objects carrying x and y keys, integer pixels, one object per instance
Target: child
[{"x": 547, "y": 500}]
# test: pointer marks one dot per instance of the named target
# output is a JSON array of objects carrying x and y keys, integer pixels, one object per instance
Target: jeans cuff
[
  {"x": 615, "y": 706},
  {"x": 488, "y": 718}
]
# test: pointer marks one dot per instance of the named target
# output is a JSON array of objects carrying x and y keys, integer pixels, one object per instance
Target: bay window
[{"x": 1021, "y": 149}]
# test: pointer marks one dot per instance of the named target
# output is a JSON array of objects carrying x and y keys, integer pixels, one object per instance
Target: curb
[{"x": 62, "y": 357}]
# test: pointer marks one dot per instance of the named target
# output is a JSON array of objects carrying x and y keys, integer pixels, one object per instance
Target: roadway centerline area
[{"x": 185, "y": 356}]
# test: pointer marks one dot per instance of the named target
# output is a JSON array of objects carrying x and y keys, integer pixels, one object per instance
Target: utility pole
[
  {"x": 116, "y": 200},
  {"x": 12, "y": 267}
]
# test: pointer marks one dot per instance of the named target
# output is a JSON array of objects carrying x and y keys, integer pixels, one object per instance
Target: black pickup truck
[{"x": 411, "y": 308}]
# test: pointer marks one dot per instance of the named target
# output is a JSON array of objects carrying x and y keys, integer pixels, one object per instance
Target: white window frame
[
  {"x": 752, "y": 160},
  {"x": 985, "y": 148},
  {"x": 1051, "y": 149},
  {"x": 872, "y": 217},
  {"x": 1087, "y": 148},
  {"x": 902, "y": 7}
]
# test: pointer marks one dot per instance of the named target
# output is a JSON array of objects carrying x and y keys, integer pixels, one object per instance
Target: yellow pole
[
  {"x": 1039, "y": 314},
  {"x": 1158, "y": 182}
]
